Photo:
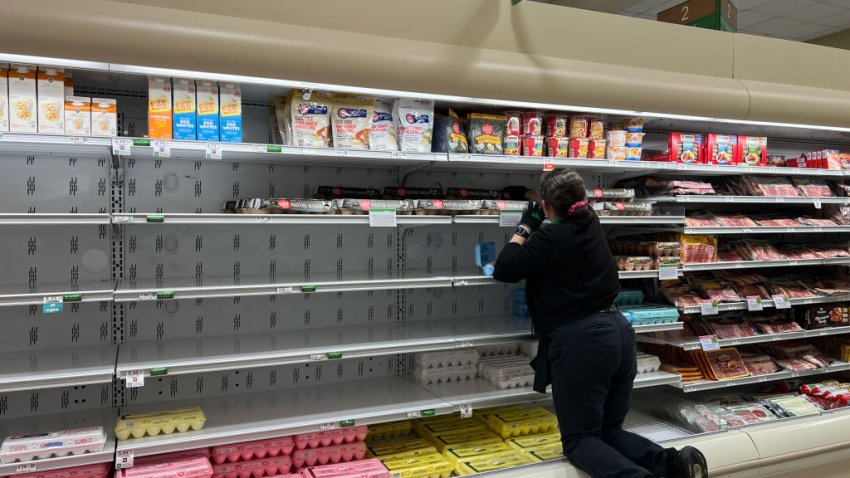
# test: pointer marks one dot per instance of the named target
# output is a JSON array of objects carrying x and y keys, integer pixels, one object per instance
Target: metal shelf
[
  {"x": 730, "y": 306},
  {"x": 719, "y": 199},
  {"x": 304, "y": 219},
  {"x": 766, "y": 230},
  {"x": 87, "y": 293},
  {"x": 472, "y": 279},
  {"x": 648, "y": 329},
  {"x": 604, "y": 220},
  {"x": 52, "y": 368},
  {"x": 698, "y": 385},
  {"x": 48, "y": 219},
  {"x": 714, "y": 266},
  {"x": 48, "y": 144},
  {"x": 255, "y": 416},
  {"x": 762, "y": 338},
  {"x": 189, "y": 356}
]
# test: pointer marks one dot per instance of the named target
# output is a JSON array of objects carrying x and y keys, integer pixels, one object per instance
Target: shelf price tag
[
  {"x": 781, "y": 302},
  {"x": 134, "y": 379},
  {"x": 463, "y": 344},
  {"x": 398, "y": 154},
  {"x": 509, "y": 218},
  {"x": 328, "y": 426},
  {"x": 548, "y": 166},
  {"x": 754, "y": 303},
  {"x": 25, "y": 468},
  {"x": 668, "y": 272},
  {"x": 709, "y": 308},
  {"x": 123, "y": 459},
  {"x": 274, "y": 148},
  {"x": 382, "y": 218},
  {"x": 161, "y": 149},
  {"x": 122, "y": 146},
  {"x": 52, "y": 304},
  {"x": 709, "y": 342},
  {"x": 213, "y": 151},
  {"x": 466, "y": 410},
  {"x": 122, "y": 219}
]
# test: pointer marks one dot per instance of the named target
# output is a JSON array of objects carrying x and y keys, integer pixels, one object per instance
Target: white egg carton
[
  {"x": 647, "y": 363},
  {"x": 509, "y": 375},
  {"x": 498, "y": 349},
  {"x": 446, "y": 358},
  {"x": 529, "y": 347},
  {"x": 428, "y": 376},
  {"x": 501, "y": 360},
  {"x": 52, "y": 444}
]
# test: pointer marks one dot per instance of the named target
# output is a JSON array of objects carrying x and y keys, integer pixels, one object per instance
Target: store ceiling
[{"x": 800, "y": 20}]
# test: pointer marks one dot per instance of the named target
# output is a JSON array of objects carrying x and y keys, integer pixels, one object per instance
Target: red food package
[
  {"x": 578, "y": 148},
  {"x": 596, "y": 149},
  {"x": 513, "y": 121},
  {"x": 532, "y": 123},
  {"x": 752, "y": 151},
  {"x": 685, "y": 148},
  {"x": 721, "y": 149},
  {"x": 558, "y": 147},
  {"x": 556, "y": 125},
  {"x": 578, "y": 126},
  {"x": 596, "y": 129},
  {"x": 532, "y": 145}
]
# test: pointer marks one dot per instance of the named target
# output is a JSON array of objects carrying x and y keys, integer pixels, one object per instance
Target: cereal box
[
  {"x": 230, "y": 112},
  {"x": 4, "y": 97},
  {"x": 50, "y": 84},
  {"x": 104, "y": 117},
  {"x": 22, "y": 105},
  {"x": 159, "y": 107},
  {"x": 185, "y": 116},
  {"x": 207, "y": 106},
  {"x": 77, "y": 116}
]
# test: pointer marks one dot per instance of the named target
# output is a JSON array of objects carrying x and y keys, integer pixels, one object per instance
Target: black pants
[{"x": 592, "y": 365}]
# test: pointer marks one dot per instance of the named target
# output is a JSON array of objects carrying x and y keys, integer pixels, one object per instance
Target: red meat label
[{"x": 284, "y": 203}]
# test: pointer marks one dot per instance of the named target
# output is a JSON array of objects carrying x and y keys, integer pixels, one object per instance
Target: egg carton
[
  {"x": 529, "y": 347},
  {"x": 172, "y": 456},
  {"x": 511, "y": 348},
  {"x": 330, "y": 437},
  {"x": 458, "y": 438},
  {"x": 501, "y": 360},
  {"x": 404, "y": 454},
  {"x": 530, "y": 442},
  {"x": 363, "y": 206},
  {"x": 40, "y": 446},
  {"x": 530, "y": 422},
  {"x": 552, "y": 451},
  {"x": 329, "y": 454},
  {"x": 429, "y": 430},
  {"x": 428, "y": 376},
  {"x": 431, "y": 466},
  {"x": 99, "y": 470},
  {"x": 647, "y": 363},
  {"x": 251, "y": 450},
  {"x": 493, "y": 462},
  {"x": 456, "y": 454},
  {"x": 383, "y": 431},
  {"x": 197, "y": 467},
  {"x": 394, "y": 447},
  {"x": 357, "y": 469},
  {"x": 448, "y": 358},
  {"x": 253, "y": 468},
  {"x": 162, "y": 421}
]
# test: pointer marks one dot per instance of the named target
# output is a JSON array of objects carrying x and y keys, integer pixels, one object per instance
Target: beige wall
[{"x": 835, "y": 40}]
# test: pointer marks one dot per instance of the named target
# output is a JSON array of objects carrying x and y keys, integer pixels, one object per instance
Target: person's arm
[{"x": 520, "y": 259}]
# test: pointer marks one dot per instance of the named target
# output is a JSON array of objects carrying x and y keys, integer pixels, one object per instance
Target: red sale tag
[{"x": 548, "y": 166}]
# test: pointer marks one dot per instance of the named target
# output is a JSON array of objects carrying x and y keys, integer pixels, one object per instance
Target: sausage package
[
  {"x": 415, "y": 124},
  {"x": 382, "y": 134},
  {"x": 352, "y": 121},
  {"x": 309, "y": 120}
]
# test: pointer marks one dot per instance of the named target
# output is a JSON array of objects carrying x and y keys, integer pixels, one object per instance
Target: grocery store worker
[{"x": 587, "y": 348}]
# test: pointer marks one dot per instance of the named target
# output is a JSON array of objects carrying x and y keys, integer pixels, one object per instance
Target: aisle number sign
[{"x": 718, "y": 15}]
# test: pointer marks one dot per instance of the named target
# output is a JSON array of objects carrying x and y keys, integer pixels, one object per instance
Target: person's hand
[{"x": 532, "y": 216}]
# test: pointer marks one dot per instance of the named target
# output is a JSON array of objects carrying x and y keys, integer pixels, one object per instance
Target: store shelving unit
[
  {"x": 756, "y": 339},
  {"x": 767, "y": 230},
  {"x": 730, "y": 306},
  {"x": 699, "y": 385},
  {"x": 773, "y": 200}
]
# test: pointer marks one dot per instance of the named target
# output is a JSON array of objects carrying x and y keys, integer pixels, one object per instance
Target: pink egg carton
[
  {"x": 253, "y": 468},
  {"x": 329, "y": 454},
  {"x": 196, "y": 467},
  {"x": 173, "y": 456},
  {"x": 371, "y": 468},
  {"x": 330, "y": 437},
  {"x": 252, "y": 449},
  {"x": 98, "y": 470}
]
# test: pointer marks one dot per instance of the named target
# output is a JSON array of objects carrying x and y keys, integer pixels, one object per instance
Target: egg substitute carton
[
  {"x": 162, "y": 421},
  {"x": 329, "y": 454},
  {"x": 647, "y": 363},
  {"x": 429, "y": 466},
  {"x": 330, "y": 437},
  {"x": 40, "y": 446},
  {"x": 356, "y": 469},
  {"x": 98, "y": 470},
  {"x": 493, "y": 462},
  {"x": 529, "y": 422},
  {"x": 494, "y": 206},
  {"x": 252, "y": 450},
  {"x": 428, "y": 376},
  {"x": 254, "y": 468},
  {"x": 446, "y": 358},
  {"x": 363, "y": 206},
  {"x": 448, "y": 207},
  {"x": 383, "y": 431},
  {"x": 511, "y": 348},
  {"x": 198, "y": 467}
]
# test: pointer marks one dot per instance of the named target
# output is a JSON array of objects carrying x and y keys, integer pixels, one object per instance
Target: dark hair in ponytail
[{"x": 563, "y": 190}]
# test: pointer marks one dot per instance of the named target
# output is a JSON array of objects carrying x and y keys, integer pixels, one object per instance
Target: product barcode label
[
  {"x": 754, "y": 303},
  {"x": 414, "y": 414},
  {"x": 466, "y": 410},
  {"x": 398, "y": 154},
  {"x": 213, "y": 151},
  {"x": 25, "y": 468},
  {"x": 781, "y": 302},
  {"x": 709, "y": 342},
  {"x": 121, "y": 146},
  {"x": 134, "y": 379},
  {"x": 328, "y": 426},
  {"x": 668, "y": 272},
  {"x": 123, "y": 459},
  {"x": 286, "y": 290},
  {"x": 509, "y": 218},
  {"x": 382, "y": 218},
  {"x": 464, "y": 344},
  {"x": 161, "y": 149},
  {"x": 122, "y": 219},
  {"x": 709, "y": 308},
  {"x": 315, "y": 357},
  {"x": 147, "y": 296}
]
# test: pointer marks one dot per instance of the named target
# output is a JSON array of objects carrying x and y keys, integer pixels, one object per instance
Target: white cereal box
[
  {"x": 23, "y": 116},
  {"x": 51, "y": 100},
  {"x": 77, "y": 116}
]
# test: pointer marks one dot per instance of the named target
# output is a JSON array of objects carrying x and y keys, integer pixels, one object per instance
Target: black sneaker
[{"x": 689, "y": 463}]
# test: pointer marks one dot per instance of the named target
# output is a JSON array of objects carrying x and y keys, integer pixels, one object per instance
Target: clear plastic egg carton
[
  {"x": 271, "y": 447},
  {"x": 446, "y": 358},
  {"x": 40, "y": 446},
  {"x": 428, "y": 376},
  {"x": 500, "y": 359},
  {"x": 253, "y": 468},
  {"x": 529, "y": 347},
  {"x": 511, "y": 348},
  {"x": 329, "y": 454},
  {"x": 647, "y": 363},
  {"x": 197, "y": 467},
  {"x": 356, "y": 469},
  {"x": 330, "y": 437},
  {"x": 384, "y": 431},
  {"x": 162, "y": 421}
]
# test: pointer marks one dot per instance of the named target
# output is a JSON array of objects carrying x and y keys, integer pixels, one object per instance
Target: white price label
[
  {"x": 147, "y": 296},
  {"x": 213, "y": 151},
  {"x": 382, "y": 218},
  {"x": 398, "y": 154},
  {"x": 328, "y": 426},
  {"x": 668, "y": 272},
  {"x": 817, "y": 203},
  {"x": 509, "y": 218},
  {"x": 464, "y": 344},
  {"x": 78, "y": 139},
  {"x": 122, "y": 146},
  {"x": 263, "y": 219},
  {"x": 466, "y": 410},
  {"x": 414, "y": 414},
  {"x": 548, "y": 166},
  {"x": 781, "y": 302},
  {"x": 317, "y": 357},
  {"x": 25, "y": 468},
  {"x": 123, "y": 459},
  {"x": 134, "y": 379},
  {"x": 310, "y": 151},
  {"x": 709, "y": 308},
  {"x": 754, "y": 303},
  {"x": 286, "y": 290},
  {"x": 709, "y": 342},
  {"x": 161, "y": 149},
  {"x": 122, "y": 219}
]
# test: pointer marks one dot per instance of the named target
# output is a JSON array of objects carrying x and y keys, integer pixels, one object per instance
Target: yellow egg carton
[
  {"x": 496, "y": 461},
  {"x": 161, "y": 421},
  {"x": 382, "y": 431},
  {"x": 456, "y": 454},
  {"x": 552, "y": 451},
  {"x": 483, "y": 415},
  {"x": 530, "y": 422},
  {"x": 428, "y": 466},
  {"x": 446, "y": 425},
  {"x": 445, "y": 440},
  {"x": 531, "y": 442},
  {"x": 421, "y": 454},
  {"x": 398, "y": 447}
]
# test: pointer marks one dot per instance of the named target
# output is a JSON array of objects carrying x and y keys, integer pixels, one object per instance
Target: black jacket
[{"x": 569, "y": 272}]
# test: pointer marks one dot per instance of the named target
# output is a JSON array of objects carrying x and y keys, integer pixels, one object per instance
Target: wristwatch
[{"x": 523, "y": 232}]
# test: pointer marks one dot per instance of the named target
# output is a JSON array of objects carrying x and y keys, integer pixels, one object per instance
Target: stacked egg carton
[
  {"x": 40, "y": 446},
  {"x": 505, "y": 366},
  {"x": 444, "y": 366},
  {"x": 162, "y": 421},
  {"x": 99, "y": 470},
  {"x": 195, "y": 464},
  {"x": 341, "y": 445},
  {"x": 253, "y": 459}
]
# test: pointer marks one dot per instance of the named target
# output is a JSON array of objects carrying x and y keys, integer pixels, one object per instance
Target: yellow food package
[
  {"x": 433, "y": 466},
  {"x": 531, "y": 442},
  {"x": 400, "y": 446},
  {"x": 50, "y": 84},
  {"x": 467, "y": 451},
  {"x": 483, "y": 415},
  {"x": 426, "y": 429},
  {"x": 352, "y": 121},
  {"x": 532, "y": 422},
  {"x": 421, "y": 454},
  {"x": 552, "y": 451},
  {"x": 497, "y": 461},
  {"x": 444, "y": 440},
  {"x": 163, "y": 421},
  {"x": 383, "y": 431}
]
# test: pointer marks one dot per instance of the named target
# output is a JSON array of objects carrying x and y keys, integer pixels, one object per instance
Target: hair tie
[{"x": 576, "y": 206}]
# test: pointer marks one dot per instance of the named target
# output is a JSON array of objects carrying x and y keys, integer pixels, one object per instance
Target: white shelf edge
[
  {"x": 28, "y": 298},
  {"x": 730, "y": 306},
  {"x": 767, "y": 230},
  {"x": 38, "y": 219},
  {"x": 711, "y": 384},
  {"x": 305, "y": 219},
  {"x": 711, "y": 266},
  {"x": 758, "y": 339},
  {"x": 722, "y": 199}
]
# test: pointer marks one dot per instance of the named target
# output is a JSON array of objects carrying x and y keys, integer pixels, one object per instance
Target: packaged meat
[
  {"x": 794, "y": 405},
  {"x": 339, "y": 192},
  {"x": 817, "y": 317},
  {"x": 256, "y": 449},
  {"x": 578, "y": 126},
  {"x": 774, "y": 324},
  {"x": 685, "y": 148},
  {"x": 817, "y": 222},
  {"x": 256, "y": 468},
  {"x": 161, "y": 421},
  {"x": 720, "y": 291},
  {"x": 698, "y": 249},
  {"x": 731, "y": 328},
  {"x": 330, "y": 437},
  {"x": 197, "y": 467},
  {"x": 669, "y": 187},
  {"x": 757, "y": 250},
  {"x": 513, "y": 123},
  {"x": 448, "y": 207},
  {"x": 383, "y": 135},
  {"x": 752, "y": 413},
  {"x": 556, "y": 125},
  {"x": 760, "y": 364},
  {"x": 414, "y": 124},
  {"x": 40, "y": 446},
  {"x": 769, "y": 186},
  {"x": 735, "y": 221},
  {"x": 558, "y": 147},
  {"x": 813, "y": 188},
  {"x": 469, "y": 193},
  {"x": 363, "y": 206},
  {"x": 725, "y": 364},
  {"x": 701, "y": 221},
  {"x": 309, "y": 119},
  {"x": 358, "y": 469},
  {"x": 532, "y": 123},
  {"x": 344, "y": 452},
  {"x": 486, "y": 133},
  {"x": 533, "y": 146}
]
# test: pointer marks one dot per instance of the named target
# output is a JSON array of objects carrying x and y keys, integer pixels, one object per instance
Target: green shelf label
[
  {"x": 72, "y": 297},
  {"x": 273, "y": 149},
  {"x": 346, "y": 423},
  {"x": 308, "y": 288},
  {"x": 141, "y": 142},
  {"x": 165, "y": 294},
  {"x": 158, "y": 371},
  {"x": 334, "y": 355},
  {"x": 429, "y": 413},
  {"x": 155, "y": 218}
]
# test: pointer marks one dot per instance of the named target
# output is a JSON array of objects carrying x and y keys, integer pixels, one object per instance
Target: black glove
[{"x": 532, "y": 216}]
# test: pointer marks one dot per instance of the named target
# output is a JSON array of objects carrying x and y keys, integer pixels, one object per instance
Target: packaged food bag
[
  {"x": 309, "y": 120},
  {"x": 382, "y": 134},
  {"x": 456, "y": 136},
  {"x": 352, "y": 121},
  {"x": 415, "y": 123},
  {"x": 486, "y": 133}
]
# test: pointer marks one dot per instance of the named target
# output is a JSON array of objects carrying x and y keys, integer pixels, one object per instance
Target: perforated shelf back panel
[{"x": 28, "y": 328}]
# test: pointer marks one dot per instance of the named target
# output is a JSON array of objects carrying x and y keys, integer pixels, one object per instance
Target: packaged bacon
[{"x": 726, "y": 364}]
